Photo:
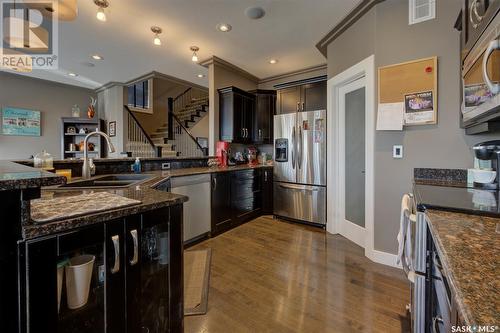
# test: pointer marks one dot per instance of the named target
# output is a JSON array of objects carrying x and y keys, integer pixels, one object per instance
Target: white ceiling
[{"x": 288, "y": 32}]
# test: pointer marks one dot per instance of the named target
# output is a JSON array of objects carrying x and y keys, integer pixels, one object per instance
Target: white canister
[{"x": 78, "y": 278}]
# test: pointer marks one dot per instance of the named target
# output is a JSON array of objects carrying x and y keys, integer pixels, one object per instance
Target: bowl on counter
[{"x": 484, "y": 176}]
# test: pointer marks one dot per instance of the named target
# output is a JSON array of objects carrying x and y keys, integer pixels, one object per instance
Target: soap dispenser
[{"x": 137, "y": 165}]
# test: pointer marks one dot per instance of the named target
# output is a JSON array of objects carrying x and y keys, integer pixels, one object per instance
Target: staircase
[{"x": 186, "y": 110}]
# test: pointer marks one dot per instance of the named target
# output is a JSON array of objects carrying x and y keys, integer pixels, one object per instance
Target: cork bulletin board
[{"x": 413, "y": 83}]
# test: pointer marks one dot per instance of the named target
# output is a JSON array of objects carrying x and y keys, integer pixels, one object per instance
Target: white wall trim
[{"x": 365, "y": 238}]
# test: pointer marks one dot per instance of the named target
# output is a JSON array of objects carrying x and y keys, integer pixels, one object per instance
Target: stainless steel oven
[{"x": 481, "y": 78}]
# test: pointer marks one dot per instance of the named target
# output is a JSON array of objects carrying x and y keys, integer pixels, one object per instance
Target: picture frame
[
  {"x": 21, "y": 122},
  {"x": 112, "y": 128}
]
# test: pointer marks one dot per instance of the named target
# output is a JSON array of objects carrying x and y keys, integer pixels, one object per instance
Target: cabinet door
[
  {"x": 313, "y": 96},
  {"x": 267, "y": 191},
  {"x": 133, "y": 261},
  {"x": 226, "y": 116},
  {"x": 248, "y": 118},
  {"x": 238, "y": 118},
  {"x": 155, "y": 263},
  {"x": 221, "y": 202},
  {"x": 246, "y": 193},
  {"x": 288, "y": 100},
  {"x": 265, "y": 106}
]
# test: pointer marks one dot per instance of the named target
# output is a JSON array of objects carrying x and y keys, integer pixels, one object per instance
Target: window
[
  {"x": 421, "y": 10},
  {"x": 139, "y": 96}
]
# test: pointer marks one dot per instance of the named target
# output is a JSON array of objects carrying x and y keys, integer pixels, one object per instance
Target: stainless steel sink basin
[{"x": 107, "y": 181}]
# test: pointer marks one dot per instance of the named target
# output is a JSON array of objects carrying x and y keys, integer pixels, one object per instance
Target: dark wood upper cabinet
[
  {"x": 236, "y": 108},
  {"x": 288, "y": 100},
  {"x": 302, "y": 98},
  {"x": 265, "y": 108}
]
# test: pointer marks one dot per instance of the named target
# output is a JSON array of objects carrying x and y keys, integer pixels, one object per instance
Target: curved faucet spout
[{"x": 86, "y": 174}]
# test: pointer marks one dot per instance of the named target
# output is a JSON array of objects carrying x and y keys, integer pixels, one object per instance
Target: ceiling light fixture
[
  {"x": 73, "y": 74},
  {"x": 224, "y": 27},
  {"x": 101, "y": 16},
  {"x": 97, "y": 57},
  {"x": 194, "y": 49},
  {"x": 201, "y": 75},
  {"x": 157, "y": 31},
  {"x": 273, "y": 61},
  {"x": 255, "y": 13}
]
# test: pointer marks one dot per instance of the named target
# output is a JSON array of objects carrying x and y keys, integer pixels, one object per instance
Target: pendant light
[
  {"x": 157, "y": 31},
  {"x": 66, "y": 10},
  {"x": 194, "y": 49},
  {"x": 102, "y": 4}
]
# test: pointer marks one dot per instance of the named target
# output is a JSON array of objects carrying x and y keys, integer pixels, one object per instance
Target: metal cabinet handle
[
  {"x": 265, "y": 176},
  {"x": 116, "y": 245},
  {"x": 246, "y": 132},
  {"x": 435, "y": 321},
  {"x": 493, "y": 87},
  {"x": 214, "y": 182},
  {"x": 242, "y": 132},
  {"x": 260, "y": 133},
  {"x": 135, "y": 258},
  {"x": 293, "y": 147},
  {"x": 298, "y": 106}
]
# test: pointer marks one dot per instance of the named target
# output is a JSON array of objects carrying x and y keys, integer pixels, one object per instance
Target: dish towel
[{"x": 404, "y": 236}]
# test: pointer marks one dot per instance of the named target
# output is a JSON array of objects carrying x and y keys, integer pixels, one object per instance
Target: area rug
[{"x": 196, "y": 281}]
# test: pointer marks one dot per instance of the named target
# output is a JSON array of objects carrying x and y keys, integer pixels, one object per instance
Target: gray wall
[
  {"x": 385, "y": 32},
  {"x": 54, "y": 100}
]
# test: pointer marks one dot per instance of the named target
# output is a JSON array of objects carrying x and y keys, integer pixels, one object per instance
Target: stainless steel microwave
[{"x": 481, "y": 78}]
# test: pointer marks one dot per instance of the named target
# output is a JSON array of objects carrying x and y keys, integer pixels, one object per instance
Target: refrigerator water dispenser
[{"x": 281, "y": 150}]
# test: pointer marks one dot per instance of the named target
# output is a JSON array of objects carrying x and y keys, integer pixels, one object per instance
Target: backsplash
[{"x": 450, "y": 175}]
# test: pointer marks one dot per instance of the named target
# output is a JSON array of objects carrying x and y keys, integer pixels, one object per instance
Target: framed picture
[
  {"x": 21, "y": 122},
  {"x": 112, "y": 128}
]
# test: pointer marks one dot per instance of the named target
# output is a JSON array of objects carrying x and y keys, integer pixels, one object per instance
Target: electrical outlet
[
  {"x": 397, "y": 151},
  {"x": 165, "y": 166}
]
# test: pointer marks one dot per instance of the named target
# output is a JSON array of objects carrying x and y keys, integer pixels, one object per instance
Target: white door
[{"x": 352, "y": 162}]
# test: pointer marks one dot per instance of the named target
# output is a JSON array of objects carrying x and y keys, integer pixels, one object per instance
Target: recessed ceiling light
[
  {"x": 201, "y": 75},
  {"x": 73, "y": 74},
  {"x": 224, "y": 27},
  {"x": 273, "y": 61},
  {"x": 97, "y": 57}
]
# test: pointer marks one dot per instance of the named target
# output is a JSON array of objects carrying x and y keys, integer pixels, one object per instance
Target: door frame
[{"x": 361, "y": 236}]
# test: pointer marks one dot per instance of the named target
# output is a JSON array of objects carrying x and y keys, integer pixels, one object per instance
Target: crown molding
[
  {"x": 227, "y": 65},
  {"x": 289, "y": 74},
  {"x": 354, "y": 15}
]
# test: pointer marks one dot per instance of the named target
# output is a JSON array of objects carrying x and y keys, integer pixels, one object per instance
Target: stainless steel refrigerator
[{"x": 300, "y": 166}]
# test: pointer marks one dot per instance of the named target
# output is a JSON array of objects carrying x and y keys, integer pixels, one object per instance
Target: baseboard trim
[
  {"x": 353, "y": 232},
  {"x": 381, "y": 257}
]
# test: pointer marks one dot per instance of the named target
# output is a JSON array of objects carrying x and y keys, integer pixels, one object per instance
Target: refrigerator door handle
[
  {"x": 298, "y": 187},
  {"x": 293, "y": 147},
  {"x": 300, "y": 148}
]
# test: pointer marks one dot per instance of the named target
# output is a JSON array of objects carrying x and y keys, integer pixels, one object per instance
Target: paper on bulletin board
[{"x": 390, "y": 116}]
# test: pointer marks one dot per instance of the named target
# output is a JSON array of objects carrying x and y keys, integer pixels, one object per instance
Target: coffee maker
[{"x": 489, "y": 151}]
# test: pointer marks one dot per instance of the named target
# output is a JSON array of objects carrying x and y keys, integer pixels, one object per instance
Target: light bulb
[
  {"x": 101, "y": 16},
  {"x": 194, "y": 58},
  {"x": 157, "y": 40}
]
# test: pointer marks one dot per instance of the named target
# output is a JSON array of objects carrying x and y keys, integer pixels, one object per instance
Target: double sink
[{"x": 108, "y": 181}]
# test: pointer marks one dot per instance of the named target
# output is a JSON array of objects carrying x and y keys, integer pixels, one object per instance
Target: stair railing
[{"x": 139, "y": 144}]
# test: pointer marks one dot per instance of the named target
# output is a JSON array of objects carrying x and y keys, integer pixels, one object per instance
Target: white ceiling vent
[{"x": 421, "y": 10}]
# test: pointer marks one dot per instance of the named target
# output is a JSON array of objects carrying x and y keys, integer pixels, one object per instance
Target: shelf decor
[{"x": 21, "y": 122}]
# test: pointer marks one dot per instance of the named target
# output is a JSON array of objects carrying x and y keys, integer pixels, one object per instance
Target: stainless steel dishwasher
[{"x": 197, "y": 214}]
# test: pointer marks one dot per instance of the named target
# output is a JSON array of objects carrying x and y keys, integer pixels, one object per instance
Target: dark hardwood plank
[{"x": 273, "y": 276}]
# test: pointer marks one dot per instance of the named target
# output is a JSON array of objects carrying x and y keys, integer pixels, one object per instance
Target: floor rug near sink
[
  {"x": 196, "y": 281},
  {"x": 48, "y": 210}
]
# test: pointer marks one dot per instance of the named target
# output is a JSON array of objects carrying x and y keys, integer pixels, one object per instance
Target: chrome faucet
[{"x": 86, "y": 172}]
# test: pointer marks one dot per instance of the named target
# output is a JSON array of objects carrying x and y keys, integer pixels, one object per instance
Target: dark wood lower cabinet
[
  {"x": 238, "y": 197},
  {"x": 267, "y": 191},
  {"x": 136, "y": 281}
]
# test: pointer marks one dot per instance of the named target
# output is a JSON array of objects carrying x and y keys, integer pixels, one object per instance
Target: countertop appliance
[
  {"x": 489, "y": 151},
  {"x": 197, "y": 223},
  {"x": 481, "y": 82},
  {"x": 300, "y": 166},
  {"x": 222, "y": 152}
]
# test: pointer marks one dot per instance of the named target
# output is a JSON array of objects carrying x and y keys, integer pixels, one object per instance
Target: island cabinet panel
[{"x": 135, "y": 276}]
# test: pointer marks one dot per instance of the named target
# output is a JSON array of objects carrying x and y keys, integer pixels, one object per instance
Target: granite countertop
[
  {"x": 469, "y": 249},
  {"x": 14, "y": 176},
  {"x": 146, "y": 192}
]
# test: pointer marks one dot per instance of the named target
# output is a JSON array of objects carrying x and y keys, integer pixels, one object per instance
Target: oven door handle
[{"x": 492, "y": 46}]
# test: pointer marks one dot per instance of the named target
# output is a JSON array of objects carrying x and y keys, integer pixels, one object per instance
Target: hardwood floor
[{"x": 274, "y": 276}]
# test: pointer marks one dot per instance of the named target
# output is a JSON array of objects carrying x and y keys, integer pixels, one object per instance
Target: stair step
[
  {"x": 159, "y": 135},
  {"x": 168, "y": 153},
  {"x": 164, "y": 146}
]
